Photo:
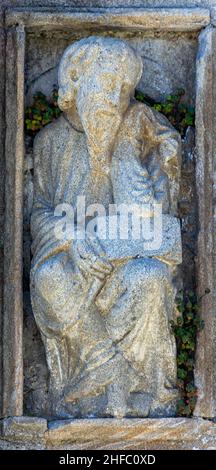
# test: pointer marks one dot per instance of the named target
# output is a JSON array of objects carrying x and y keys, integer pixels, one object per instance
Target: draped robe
[{"x": 109, "y": 352}]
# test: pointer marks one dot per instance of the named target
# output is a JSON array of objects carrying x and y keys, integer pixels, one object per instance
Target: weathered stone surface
[
  {"x": 35, "y": 393},
  {"x": 213, "y": 16},
  {"x": 168, "y": 65},
  {"x": 141, "y": 20},
  {"x": 107, "y": 308},
  {"x": 188, "y": 210},
  {"x": 159, "y": 78},
  {"x": 138, "y": 434},
  {"x": 107, "y": 3},
  {"x": 169, "y": 433},
  {"x": 17, "y": 445},
  {"x": 164, "y": 240},
  {"x": 158, "y": 53},
  {"x": 205, "y": 103},
  {"x": 110, "y": 3},
  {"x": 13, "y": 306},
  {"x": 24, "y": 428},
  {"x": 2, "y": 174}
]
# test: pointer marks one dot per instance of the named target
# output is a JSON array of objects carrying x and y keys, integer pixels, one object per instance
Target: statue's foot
[
  {"x": 116, "y": 400},
  {"x": 138, "y": 405},
  {"x": 61, "y": 411}
]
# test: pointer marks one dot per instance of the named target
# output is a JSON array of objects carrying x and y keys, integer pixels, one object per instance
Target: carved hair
[{"x": 82, "y": 54}]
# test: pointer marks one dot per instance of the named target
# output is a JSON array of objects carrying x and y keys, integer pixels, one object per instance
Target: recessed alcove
[{"x": 176, "y": 54}]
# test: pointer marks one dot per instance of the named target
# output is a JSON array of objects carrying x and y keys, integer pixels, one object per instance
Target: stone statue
[{"x": 104, "y": 312}]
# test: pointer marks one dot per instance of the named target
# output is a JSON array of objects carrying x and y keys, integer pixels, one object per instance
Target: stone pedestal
[{"x": 109, "y": 434}]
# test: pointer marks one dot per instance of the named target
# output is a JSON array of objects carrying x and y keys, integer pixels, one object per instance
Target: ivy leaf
[{"x": 182, "y": 373}]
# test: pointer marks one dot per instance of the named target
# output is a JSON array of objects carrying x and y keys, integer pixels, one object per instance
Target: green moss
[
  {"x": 185, "y": 329},
  {"x": 42, "y": 112}
]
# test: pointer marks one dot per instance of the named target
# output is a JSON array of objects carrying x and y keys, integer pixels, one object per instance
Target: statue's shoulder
[
  {"x": 138, "y": 117},
  {"x": 51, "y": 132},
  {"x": 139, "y": 109},
  {"x": 143, "y": 117},
  {"x": 146, "y": 112}
]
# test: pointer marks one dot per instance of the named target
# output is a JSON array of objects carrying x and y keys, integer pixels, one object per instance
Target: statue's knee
[
  {"x": 48, "y": 277},
  {"x": 149, "y": 271},
  {"x": 158, "y": 271}
]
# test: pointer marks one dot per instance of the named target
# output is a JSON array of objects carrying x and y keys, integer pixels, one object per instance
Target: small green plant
[
  {"x": 180, "y": 114},
  {"x": 43, "y": 111},
  {"x": 185, "y": 329}
]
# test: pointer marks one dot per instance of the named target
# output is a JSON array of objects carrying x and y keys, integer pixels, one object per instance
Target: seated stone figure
[{"x": 104, "y": 321}]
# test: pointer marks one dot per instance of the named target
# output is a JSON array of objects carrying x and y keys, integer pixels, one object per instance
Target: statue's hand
[
  {"x": 169, "y": 155},
  {"x": 89, "y": 257}
]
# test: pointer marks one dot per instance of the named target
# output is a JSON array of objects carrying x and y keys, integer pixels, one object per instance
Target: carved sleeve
[
  {"x": 164, "y": 155},
  {"x": 147, "y": 159},
  {"x": 43, "y": 221}
]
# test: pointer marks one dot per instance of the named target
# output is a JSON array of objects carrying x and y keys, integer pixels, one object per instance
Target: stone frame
[{"x": 17, "y": 23}]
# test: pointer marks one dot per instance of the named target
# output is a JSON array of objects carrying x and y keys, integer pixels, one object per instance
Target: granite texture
[
  {"x": 187, "y": 195},
  {"x": 109, "y": 3},
  {"x": 213, "y": 16},
  {"x": 2, "y": 174},
  {"x": 205, "y": 157},
  {"x": 169, "y": 433},
  {"x": 103, "y": 434},
  {"x": 90, "y": 299},
  {"x": 24, "y": 428},
  {"x": 159, "y": 52},
  {"x": 169, "y": 19},
  {"x": 14, "y": 150},
  {"x": 42, "y": 54}
]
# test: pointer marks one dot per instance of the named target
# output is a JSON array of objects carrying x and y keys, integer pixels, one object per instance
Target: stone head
[{"x": 97, "y": 77}]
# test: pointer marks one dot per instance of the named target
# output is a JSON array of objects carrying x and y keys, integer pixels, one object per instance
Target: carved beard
[{"x": 101, "y": 125}]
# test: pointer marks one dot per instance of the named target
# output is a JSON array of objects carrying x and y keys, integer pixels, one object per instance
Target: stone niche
[{"x": 176, "y": 47}]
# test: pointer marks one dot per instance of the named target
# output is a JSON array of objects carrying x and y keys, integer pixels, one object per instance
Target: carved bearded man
[{"x": 105, "y": 324}]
